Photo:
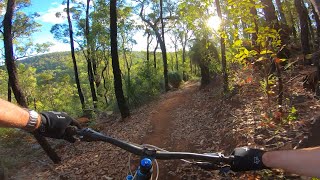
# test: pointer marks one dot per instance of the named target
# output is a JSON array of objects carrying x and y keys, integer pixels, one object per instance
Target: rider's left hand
[{"x": 55, "y": 124}]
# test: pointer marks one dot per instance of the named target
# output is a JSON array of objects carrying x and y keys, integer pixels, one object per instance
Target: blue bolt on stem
[{"x": 146, "y": 163}]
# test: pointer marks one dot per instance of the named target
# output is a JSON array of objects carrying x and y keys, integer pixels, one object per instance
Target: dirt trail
[{"x": 162, "y": 128}]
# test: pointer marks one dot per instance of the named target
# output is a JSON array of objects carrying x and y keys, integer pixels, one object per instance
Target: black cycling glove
[
  {"x": 54, "y": 125},
  {"x": 246, "y": 159}
]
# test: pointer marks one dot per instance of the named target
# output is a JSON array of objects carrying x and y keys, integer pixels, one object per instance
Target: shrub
[{"x": 175, "y": 79}]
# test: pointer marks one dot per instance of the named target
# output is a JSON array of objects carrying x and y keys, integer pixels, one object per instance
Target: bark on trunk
[
  {"x": 164, "y": 50},
  {"x": 13, "y": 78},
  {"x": 271, "y": 18},
  {"x": 74, "y": 61},
  {"x": 317, "y": 20},
  {"x": 292, "y": 22},
  {"x": 89, "y": 60},
  {"x": 9, "y": 91},
  {"x": 311, "y": 32},
  {"x": 148, "y": 52},
  {"x": 303, "y": 17},
  {"x": 183, "y": 62},
  {"x": 155, "y": 55},
  {"x": 177, "y": 60},
  {"x": 223, "y": 54},
  {"x": 254, "y": 36},
  {"x": 282, "y": 16},
  {"x": 205, "y": 75},
  {"x": 123, "y": 107},
  {"x": 316, "y": 5}
]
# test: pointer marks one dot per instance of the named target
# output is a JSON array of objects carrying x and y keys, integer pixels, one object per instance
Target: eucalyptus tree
[
  {"x": 149, "y": 41},
  {"x": 101, "y": 29},
  {"x": 192, "y": 25},
  {"x": 127, "y": 29},
  {"x": 303, "y": 17},
  {"x": 160, "y": 12},
  {"x": 223, "y": 51},
  {"x": 62, "y": 32},
  {"x": 283, "y": 19},
  {"x": 9, "y": 33},
  {"x": 122, "y": 104}
]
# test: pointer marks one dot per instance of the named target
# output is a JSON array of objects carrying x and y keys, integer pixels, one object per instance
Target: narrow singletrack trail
[{"x": 162, "y": 128}]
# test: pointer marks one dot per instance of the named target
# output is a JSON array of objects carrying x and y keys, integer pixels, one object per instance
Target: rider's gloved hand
[
  {"x": 246, "y": 159},
  {"x": 54, "y": 125}
]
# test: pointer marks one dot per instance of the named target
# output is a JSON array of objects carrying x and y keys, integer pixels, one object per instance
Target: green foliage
[
  {"x": 175, "y": 79},
  {"x": 271, "y": 80},
  {"x": 203, "y": 52},
  {"x": 144, "y": 86},
  {"x": 292, "y": 116}
]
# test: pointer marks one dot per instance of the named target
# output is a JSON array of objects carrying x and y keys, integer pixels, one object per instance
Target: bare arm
[
  {"x": 13, "y": 116},
  {"x": 303, "y": 161}
]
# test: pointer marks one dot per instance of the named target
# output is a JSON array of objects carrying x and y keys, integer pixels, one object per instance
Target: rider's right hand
[
  {"x": 247, "y": 159},
  {"x": 54, "y": 125}
]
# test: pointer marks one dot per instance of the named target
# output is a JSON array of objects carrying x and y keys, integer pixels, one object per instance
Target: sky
[
  {"x": 47, "y": 10},
  {"x": 47, "y": 19}
]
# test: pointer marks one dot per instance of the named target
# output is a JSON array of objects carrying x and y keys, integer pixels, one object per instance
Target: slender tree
[
  {"x": 123, "y": 107},
  {"x": 155, "y": 55},
  {"x": 281, "y": 13},
  {"x": 9, "y": 92},
  {"x": 164, "y": 50},
  {"x": 74, "y": 61},
  {"x": 317, "y": 20},
  {"x": 160, "y": 39},
  {"x": 316, "y": 5},
  {"x": 223, "y": 52},
  {"x": 304, "y": 28},
  {"x": 254, "y": 36},
  {"x": 149, "y": 41},
  {"x": 90, "y": 59},
  {"x": 272, "y": 20},
  {"x": 13, "y": 78}
]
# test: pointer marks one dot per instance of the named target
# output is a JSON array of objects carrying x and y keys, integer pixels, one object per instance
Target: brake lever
[
  {"x": 223, "y": 168},
  {"x": 89, "y": 135}
]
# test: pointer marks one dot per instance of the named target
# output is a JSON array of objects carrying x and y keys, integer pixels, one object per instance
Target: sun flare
[{"x": 214, "y": 22}]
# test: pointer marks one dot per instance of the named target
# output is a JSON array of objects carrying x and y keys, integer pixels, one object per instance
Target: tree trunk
[
  {"x": 89, "y": 60},
  {"x": 303, "y": 17},
  {"x": 293, "y": 29},
  {"x": 13, "y": 78},
  {"x": 223, "y": 53},
  {"x": 205, "y": 75},
  {"x": 183, "y": 62},
  {"x": 9, "y": 91},
  {"x": 316, "y": 5},
  {"x": 311, "y": 32},
  {"x": 177, "y": 60},
  {"x": 317, "y": 20},
  {"x": 272, "y": 20},
  {"x": 254, "y": 36},
  {"x": 74, "y": 61},
  {"x": 123, "y": 107},
  {"x": 148, "y": 52},
  {"x": 280, "y": 86},
  {"x": 280, "y": 10},
  {"x": 164, "y": 50},
  {"x": 155, "y": 55}
]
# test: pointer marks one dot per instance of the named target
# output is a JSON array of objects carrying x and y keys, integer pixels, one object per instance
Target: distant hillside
[{"x": 50, "y": 61}]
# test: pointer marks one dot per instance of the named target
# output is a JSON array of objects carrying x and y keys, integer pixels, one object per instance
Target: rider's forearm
[
  {"x": 303, "y": 161},
  {"x": 13, "y": 116}
]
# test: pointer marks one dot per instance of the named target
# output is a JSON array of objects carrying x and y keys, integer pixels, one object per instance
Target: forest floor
[{"x": 187, "y": 119}]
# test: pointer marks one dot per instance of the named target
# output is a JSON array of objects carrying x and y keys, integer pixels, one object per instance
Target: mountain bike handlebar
[{"x": 89, "y": 135}]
